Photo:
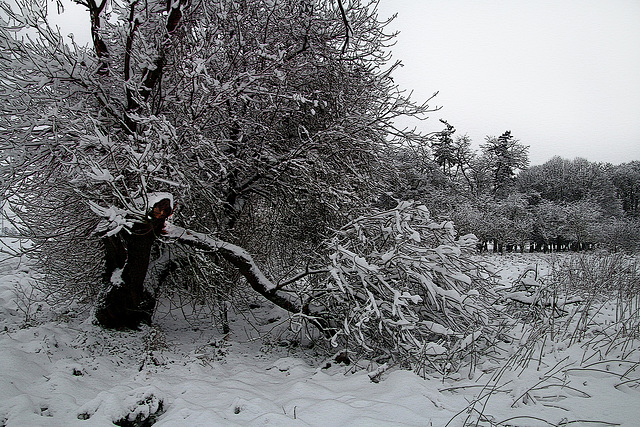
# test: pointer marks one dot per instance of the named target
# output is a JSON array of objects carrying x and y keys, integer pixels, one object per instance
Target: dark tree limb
[
  {"x": 99, "y": 45},
  {"x": 347, "y": 27},
  {"x": 132, "y": 103}
]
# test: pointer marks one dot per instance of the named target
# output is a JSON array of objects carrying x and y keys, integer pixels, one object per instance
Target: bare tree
[{"x": 226, "y": 114}]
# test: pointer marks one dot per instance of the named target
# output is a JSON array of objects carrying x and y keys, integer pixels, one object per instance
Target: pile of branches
[{"x": 408, "y": 288}]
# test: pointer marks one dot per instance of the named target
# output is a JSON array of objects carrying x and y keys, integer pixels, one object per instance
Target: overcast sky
[{"x": 562, "y": 75}]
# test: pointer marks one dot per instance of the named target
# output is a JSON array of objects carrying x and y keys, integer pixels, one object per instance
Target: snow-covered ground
[{"x": 60, "y": 370}]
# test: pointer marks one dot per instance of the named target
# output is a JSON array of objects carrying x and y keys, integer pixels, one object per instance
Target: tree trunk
[{"x": 125, "y": 303}]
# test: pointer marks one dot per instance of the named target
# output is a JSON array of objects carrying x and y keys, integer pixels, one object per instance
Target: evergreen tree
[
  {"x": 505, "y": 156},
  {"x": 444, "y": 150}
]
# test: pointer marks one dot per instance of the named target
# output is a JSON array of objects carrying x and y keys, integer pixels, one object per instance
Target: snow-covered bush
[{"x": 408, "y": 286}]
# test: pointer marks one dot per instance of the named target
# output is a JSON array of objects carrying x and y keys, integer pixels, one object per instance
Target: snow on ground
[{"x": 61, "y": 370}]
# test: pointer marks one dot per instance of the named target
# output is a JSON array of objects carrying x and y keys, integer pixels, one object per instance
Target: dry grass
[{"x": 587, "y": 301}]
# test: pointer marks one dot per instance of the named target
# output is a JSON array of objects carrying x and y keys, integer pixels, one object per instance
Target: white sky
[{"x": 562, "y": 75}]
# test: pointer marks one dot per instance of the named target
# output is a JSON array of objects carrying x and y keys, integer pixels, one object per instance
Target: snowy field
[{"x": 57, "y": 369}]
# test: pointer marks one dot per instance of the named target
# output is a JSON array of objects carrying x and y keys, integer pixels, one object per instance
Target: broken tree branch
[{"x": 244, "y": 262}]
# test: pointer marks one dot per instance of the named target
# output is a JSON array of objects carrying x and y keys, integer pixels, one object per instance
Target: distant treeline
[{"x": 559, "y": 205}]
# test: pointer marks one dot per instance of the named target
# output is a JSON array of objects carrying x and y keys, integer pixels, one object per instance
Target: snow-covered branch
[
  {"x": 407, "y": 281},
  {"x": 246, "y": 266}
]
